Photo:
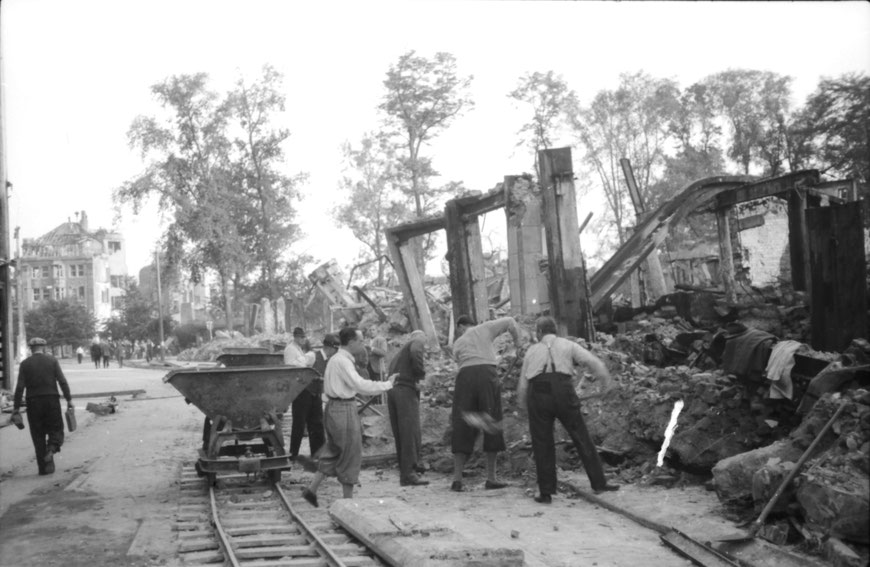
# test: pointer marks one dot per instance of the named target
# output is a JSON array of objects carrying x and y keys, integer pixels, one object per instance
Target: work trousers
[
  {"x": 341, "y": 454},
  {"x": 403, "y": 402},
  {"x": 307, "y": 412},
  {"x": 46, "y": 426},
  {"x": 552, "y": 397},
  {"x": 477, "y": 390}
]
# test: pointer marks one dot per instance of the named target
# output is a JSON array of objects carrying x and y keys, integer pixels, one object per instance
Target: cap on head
[
  {"x": 465, "y": 320},
  {"x": 36, "y": 341},
  {"x": 331, "y": 340},
  {"x": 298, "y": 332}
]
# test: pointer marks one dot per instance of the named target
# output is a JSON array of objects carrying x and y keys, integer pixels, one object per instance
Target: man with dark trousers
[
  {"x": 403, "y": 403},
  {"x": 477, "y": 391},
  {"x": 547, "y": 387},
  {"x": 307, "y": 408},
  {"x": 38, "y": 378}
]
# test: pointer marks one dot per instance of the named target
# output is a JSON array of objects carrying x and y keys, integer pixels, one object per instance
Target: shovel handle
[{"x": 793, "y": 472}]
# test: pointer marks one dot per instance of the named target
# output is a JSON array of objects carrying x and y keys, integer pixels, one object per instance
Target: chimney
[{"x": 84, "y": 222}]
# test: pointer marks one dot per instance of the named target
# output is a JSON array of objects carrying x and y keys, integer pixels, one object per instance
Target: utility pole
[
  {"x": 159, "y": 305},
  {"x": 19, "y": 286},
  {"x": 7, "y": 366}
]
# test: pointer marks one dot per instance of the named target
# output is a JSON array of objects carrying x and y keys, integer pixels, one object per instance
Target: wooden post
[
  {"x": 412, "y": 286},
  {"x": 525, "y": 250},
  {"x": 838, "y": 298},
  {"x": 726, "y": 253},
  {"x": 798, "y": 240},
  {"x": 457, "y": 258},
  {"x": 656, "y": 286},
  {"x": 568, "y": 302}
]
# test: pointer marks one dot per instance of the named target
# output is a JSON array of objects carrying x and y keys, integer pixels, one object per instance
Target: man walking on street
[
  {"x": 547, "y": 386},
  {"x": 307, "y": 409},
  {"x": 38, "y": 378},
  {"x": 341, "y": 455},
  {"x": 477, "y": 391},
  {"x": 403, "y": 403}
]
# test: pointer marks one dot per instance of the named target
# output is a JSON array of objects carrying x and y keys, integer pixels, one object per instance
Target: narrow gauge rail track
[{"x": 254, "y": 523}]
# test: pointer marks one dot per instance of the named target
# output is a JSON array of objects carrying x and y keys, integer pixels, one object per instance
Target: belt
[{"x": 341, "y": 399}]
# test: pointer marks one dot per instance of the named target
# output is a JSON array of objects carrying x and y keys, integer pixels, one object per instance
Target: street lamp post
[{"x": 159, "y": 306}]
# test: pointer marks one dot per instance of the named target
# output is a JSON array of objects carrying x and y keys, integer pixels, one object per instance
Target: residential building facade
[{"x": 75, "y": 264}]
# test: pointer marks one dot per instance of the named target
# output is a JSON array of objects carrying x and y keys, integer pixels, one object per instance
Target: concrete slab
[{"x": 402, "y": 537}]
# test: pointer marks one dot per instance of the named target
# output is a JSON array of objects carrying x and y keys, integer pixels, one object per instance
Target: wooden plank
[
  {"x": 479, "y": 205},
  {"x": 409, "y": 230},
  {"x": 479, "y": 294},
  {"x": 457, "y": 259},
  {"x": 726, "y": 254},
  {"x": 568, "y": 304},
  {"x": 746, "y": 223},
  {"x": 769, "y": 187},
  {"x": 418, "y": 294},
  {"x": 798, "y": 240},
  {"x": 652, "y": 231},
  {"x": 394, "y": 244},
  {"x": 838, "y": 298}
]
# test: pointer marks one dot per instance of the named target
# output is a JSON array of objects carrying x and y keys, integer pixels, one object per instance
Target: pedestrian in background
[
  {"x": 477, "y": 391},
  {"x": 38, "y": 378},
  {"x": 307, "y": 412},
  {"x": 547, "y": 387},
  {"x": 341, "y": 455},
  {"x": 106, "y": 351},
  {"x": 96, "y": 354},
  {"x": 119, "y": 351},
  {"x": 80, "y": 354},
  {"x": 403, "y": 403}
]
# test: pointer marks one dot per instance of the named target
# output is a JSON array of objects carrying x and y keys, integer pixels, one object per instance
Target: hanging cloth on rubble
[
  {"x": 746, "y": 352},
  {"x": 779, "y": 369}
]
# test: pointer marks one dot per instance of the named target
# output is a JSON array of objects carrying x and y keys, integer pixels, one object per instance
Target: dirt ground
[{"x": 113, "y": 497}]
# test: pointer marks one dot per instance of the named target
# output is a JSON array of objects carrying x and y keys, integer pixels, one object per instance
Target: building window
[
  {"x": 77, "y": 270},
  {"x": 104, "y": 296},
  {"x": 117, "y": 302},
  {"x": 45, "y": 271},
  {"x": 36, "y": 294},
  {"x": 81, "y": 292},
  {"x": 117, "y": 281},
  {"x": 114, "y": 246},
  {"x": 59, "y": 293},
  {"x": 57, "y": 271},
  {"x": 46, "y": 293}
]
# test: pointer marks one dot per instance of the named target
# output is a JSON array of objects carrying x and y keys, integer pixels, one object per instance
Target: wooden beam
[
  {"x": 568, "y": 303},
  {"x": 726, "y": 254},
  {"x": 838, "y": 295},
  {"x": 476, "y": 269},
  {"x": 409, "y": 230},
  {"x": 753, "y": 221},
  {"x": 798, "y": 240},
  {"x": 479, "y": 205},
  {"x": 457, "y": 259},
  {"x": 770, "y": 187},
  {"x": 418, "y": 293},
  {"x": 652, "y": 231}
]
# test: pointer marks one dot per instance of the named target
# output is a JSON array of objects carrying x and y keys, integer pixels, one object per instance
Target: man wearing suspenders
[{"x": 547, "y": 387}]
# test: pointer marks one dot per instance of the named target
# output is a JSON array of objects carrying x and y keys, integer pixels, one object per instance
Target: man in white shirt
[
  {"x": 341, "y": 455},
  {"x": 547, "y": 386},
  {"x": 294, "y": 353}
]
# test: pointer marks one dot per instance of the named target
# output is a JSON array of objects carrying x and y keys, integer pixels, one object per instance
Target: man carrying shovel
[{"x": 546, "y": 386}]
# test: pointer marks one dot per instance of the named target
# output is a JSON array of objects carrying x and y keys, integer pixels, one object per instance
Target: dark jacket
[
  {"x": 409, "y": 363},
  {"x": 39, "y": 374}
]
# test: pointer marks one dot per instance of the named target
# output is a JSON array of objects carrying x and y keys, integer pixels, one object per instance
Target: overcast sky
[{"x": 77, "y": 73}]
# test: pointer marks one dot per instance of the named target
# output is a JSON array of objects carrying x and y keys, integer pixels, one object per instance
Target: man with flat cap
[
  {"x": 403, "y": 403},
  {"x": 295, "y": 353},
  {"x": 38, "y": 378},
  {"x": 307, "y": 408}
]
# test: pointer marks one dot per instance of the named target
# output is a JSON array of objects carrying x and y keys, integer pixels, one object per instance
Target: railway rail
[{"x": 248, "y": 522}]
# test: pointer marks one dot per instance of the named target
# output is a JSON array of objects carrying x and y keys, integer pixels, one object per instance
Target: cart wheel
[
  {"x": 274, "y": 475},
  {"x": 211, "y": 479},
  {"x": 198, "y": 469}
]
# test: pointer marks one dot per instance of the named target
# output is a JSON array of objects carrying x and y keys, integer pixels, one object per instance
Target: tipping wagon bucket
[{"x": 243, "y": 404}]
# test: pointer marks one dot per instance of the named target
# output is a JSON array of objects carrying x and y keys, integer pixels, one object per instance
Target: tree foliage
[
  {"x": 423, "y": 96},
  {"x": 832, "y": 131},
  {"x": 552, "y": 102},
  {"x": 372, "y": 179},
  {"x": 755, "y": 104},
  {"x": 60, "y": 323},
  {"x": 633, "y": 121}
]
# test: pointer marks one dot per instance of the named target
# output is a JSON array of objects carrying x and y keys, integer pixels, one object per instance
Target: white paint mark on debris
[{"x": 669, "y": 432}]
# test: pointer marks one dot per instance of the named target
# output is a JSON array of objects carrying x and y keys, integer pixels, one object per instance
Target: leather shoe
[
  {"x": 419, "y": 469},
  {"x": 606, "y": 488},
  {"x": 49, "y": 455},
  {"x": 49, "y": 467},
  {"x": 494, "y": 484},
  {"x": 414, "y": 481},
  {"x": 544, "y": 499},
  {"x": 310, "y": 497},
  {"x": 457, "y": 486}
]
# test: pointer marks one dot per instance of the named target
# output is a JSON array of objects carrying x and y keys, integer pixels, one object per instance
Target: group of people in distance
[{"x": 546, "y": 392}]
